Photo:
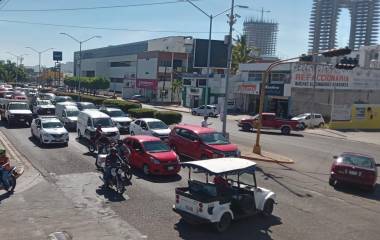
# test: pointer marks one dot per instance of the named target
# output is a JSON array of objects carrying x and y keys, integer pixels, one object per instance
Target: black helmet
[
  {"x": 119, "y": 141},
  {"x": 113, "y": 150}
]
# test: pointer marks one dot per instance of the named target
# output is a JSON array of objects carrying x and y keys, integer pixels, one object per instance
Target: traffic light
[
  {"x": 347, "y": 63},
  {"x": 306, "y": 58},
  {"x": 337, "y": 52}
]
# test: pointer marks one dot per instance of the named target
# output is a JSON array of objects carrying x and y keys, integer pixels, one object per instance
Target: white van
[
  {"x": 67, "y": 113},
  {"x": 89, "y": 119}
]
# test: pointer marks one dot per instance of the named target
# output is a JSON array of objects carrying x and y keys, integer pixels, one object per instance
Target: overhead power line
[
  {"x": 4, "y": 3},
  {"x": 102, "y": 28},
  {"x": 91, "y": 8}
]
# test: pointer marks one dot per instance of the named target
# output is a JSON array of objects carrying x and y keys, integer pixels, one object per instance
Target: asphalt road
[{"x": 308, "y": 208}]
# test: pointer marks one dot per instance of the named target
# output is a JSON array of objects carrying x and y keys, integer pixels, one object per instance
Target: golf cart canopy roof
[{"x": 220, "y": 166}]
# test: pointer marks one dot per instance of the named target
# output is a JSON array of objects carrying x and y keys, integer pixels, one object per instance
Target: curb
[
  {"x": 268, "y": 160},
  {"x": 169, "y": 109}
]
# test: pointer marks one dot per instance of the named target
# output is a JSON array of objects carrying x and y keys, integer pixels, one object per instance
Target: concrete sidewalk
[
  {"x": 264, "y": 157},
  {"x": 358, "y": 136}
]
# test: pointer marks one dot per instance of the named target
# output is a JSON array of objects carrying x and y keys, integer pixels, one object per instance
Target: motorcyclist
[
  {"x": 4, "y": 177},
  {"x": 122, "y": 149},
  {"x": 111, "y": 160},
  {"x": 98, "y": 133}
]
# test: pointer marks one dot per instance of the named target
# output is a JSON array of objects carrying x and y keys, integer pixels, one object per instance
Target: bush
[
  {"x": 122, "y": 104},
  {"x": 169, "y": 117},
  {"x": 142, "y": 112},
  {"x": 84, "y": 98}
]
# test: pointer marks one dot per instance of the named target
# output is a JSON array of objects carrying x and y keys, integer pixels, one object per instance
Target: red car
[
  {"x": 201, "y": 143},
  {"x": 270, "y": 121},
  {"x": 354, "y": 168},
  {"x": 152, "y": 155}
]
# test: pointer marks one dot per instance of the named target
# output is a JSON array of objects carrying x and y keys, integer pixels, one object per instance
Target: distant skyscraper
[
  {"x": 324, "y": 19},
  {"x": 262, "y": 35}
]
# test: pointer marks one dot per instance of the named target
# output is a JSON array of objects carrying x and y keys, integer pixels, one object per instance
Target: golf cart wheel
[
  {"x": 268, "y": 207},
  {"x": 146, "y": 170},
  {"x": 224, "y": 223}
]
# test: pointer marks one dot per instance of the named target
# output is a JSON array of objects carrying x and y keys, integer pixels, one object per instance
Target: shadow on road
[
  {"x": 110, "y": 194},
  {"x": 37, "y": 143},
  {"x": 274, "y": 133},
  {"x": 360, "y": 192},
  {"x": 156, "y": 179},
  {"x": 254, "y": 227}
]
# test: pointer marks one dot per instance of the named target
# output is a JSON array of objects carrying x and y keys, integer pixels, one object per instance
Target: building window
[
  {"x": 280, "y": 77},
  {"x": 164, "y": 63},
  {"x": 255, "y": 76},
  {"x": 201, "y": 82},
  {"x": 121, "y": 64},
  {"x": 187, "y": 82},
  {"x": 117, "y": 80}
]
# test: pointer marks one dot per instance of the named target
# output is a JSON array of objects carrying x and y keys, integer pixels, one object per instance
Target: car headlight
[{"x": 154, "y": 160}]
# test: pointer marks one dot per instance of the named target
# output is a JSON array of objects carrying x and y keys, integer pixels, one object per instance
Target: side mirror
[{"x": 335, "y": 157}]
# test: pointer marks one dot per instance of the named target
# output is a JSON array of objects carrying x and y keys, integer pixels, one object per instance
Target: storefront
[
  {"x": 247, "y": 97},
  {"x": 147, "y": 88},
  {"x": 276, "y": 102}
]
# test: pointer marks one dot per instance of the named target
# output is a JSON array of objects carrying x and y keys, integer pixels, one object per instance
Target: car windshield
[
  {"x": 104, "y": 122},
  {"x": 63, "y": 99},
  {"x": 117, "y": 113},
  {"x": 72, "y": 113},
  {"x": 357, "y": 161},
  {"x": 52, "y": 125},
  {"x": 157, "y": 125},
  {"x": 43, "y": 102},
  {"x": 18, "y": 106},
  {"x": 302, "y": 115},
  {"x": 213, "y": 138},
  {"x": 156, "y": 146},
  {"x": 88, "y": 106}
]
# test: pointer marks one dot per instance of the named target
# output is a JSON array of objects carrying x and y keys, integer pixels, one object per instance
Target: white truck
[
  {"x": 15, "y": 112},
  {"x": 228, "y": 197}
]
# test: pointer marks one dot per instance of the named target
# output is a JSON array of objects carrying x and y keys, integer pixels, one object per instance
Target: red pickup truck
[{"x": 270, "y": 121}]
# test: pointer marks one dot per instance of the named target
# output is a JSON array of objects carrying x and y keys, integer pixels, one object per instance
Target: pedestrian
[{"x": 204, "y": 122}]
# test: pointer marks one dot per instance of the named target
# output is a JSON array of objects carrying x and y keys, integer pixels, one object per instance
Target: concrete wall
[{"x": 301, "y": 99}]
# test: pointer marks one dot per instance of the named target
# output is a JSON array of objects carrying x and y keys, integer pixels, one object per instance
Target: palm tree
[
  {"x": 177, "y": 87},
  {"x": 241, "y": 53}
]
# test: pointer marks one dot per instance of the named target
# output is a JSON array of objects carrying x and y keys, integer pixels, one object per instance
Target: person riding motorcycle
[
  {"x": 111, "y": 160},
  {"x": 4, "y": 177},
  {"x": 122, "y": 149},
  {"x": 98, "y": 133}
]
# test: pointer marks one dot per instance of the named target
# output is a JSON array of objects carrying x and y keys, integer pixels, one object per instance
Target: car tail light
[
  {"x": 200, "y": 205},
  {"x": 176, "y": 198}
]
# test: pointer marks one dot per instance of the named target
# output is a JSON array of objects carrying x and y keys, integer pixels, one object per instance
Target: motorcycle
[
  {"x": 101, "y": 159},
  {"x": 118, "y": 179},
  {"x": 12, "y": 174}
]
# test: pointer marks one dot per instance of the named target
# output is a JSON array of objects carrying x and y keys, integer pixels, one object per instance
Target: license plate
[
  {"x": 170, "y": 168},
  {"x": 189, "y": 208},
  {"x": 353, "y": 173}
]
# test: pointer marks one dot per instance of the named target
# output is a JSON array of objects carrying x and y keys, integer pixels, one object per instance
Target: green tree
[
  {"x": 241, "y": 53},
  {"x": 177, "y": 87}
]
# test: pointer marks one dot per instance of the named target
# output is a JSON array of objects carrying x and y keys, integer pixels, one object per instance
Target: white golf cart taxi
[{"x": 228, "y": 197}]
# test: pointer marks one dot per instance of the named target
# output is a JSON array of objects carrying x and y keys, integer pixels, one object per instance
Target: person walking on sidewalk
[{"x": 204, "y": 122}]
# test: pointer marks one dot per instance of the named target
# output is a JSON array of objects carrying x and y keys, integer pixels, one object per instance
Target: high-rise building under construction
[
  {"x": 324, "y": 18},
  {"x": 261, "y": 35}
]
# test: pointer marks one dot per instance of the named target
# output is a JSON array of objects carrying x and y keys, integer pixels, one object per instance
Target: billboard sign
[
  {"x": 248, "y": 88},
  {"x": 219, "y": 52},
  {"x": 274, "y": 90},
  {"x": 57, "y": 56}
]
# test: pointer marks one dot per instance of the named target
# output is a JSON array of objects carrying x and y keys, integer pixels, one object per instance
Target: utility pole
[
  {"x": 231, "y": 21},
  {"x": 39, "y": 62},
  {"x": 315, "y": 67}
]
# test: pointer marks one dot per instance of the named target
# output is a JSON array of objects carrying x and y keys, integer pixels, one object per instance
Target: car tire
[
  {"x": 285, "y": 130},
  {"x": 211, "y": 115},
  {"x": 246, "y": 127},
  {"x": 331, "y": 182},
  {"x": 193, "y": 113},
  {"x": 66, "y": 144},
  {"x": 146, "y": 170},
  {"x": 321, "y": 125},
  {"x": 79, "y": 134},
  {"x": 268, "y": 208},
  {"x": 224, "y": 223},
  {"x": 303, "y": 125}
]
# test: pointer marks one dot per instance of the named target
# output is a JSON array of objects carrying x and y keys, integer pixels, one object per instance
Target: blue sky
[{"x": 292, "y": 15}]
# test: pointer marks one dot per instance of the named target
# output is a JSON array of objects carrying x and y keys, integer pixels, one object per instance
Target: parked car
[
  {"x": 59, "y": 99},
  {"x": 49, "y": 130},
  {"x": 121, "y": 119},
  {"x": 43, "y": 107},
  {"x": 354, "y": 168},
  {"x": 152, "y": 155},
  {"x": 68, "y": 113},
  {"x": 270, "y": 121},
  {"x": 201, "y": 143},
  {"x": 205, "y": 110},
  {"x": 19, "y": 95},
  {"x": 150, "y": 126},
  {"x": 307, "y": 120},
  {"x": 15, "y": 112},
  {"x": 85, "y": 105},
  {"x": 232, "y": 195},
  {"x": 139, "y": 98},
  {"x": 89, "y": 119}
]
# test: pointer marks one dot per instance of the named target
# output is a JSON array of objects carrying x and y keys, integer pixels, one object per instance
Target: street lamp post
[
  {"x": 329, "y": 53},
  {"x": 39, "y": 62},
  {"x": 211, "y": 17},
  {"x": 19, "y": 59},
  {"x": 80, "y": 57}
]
